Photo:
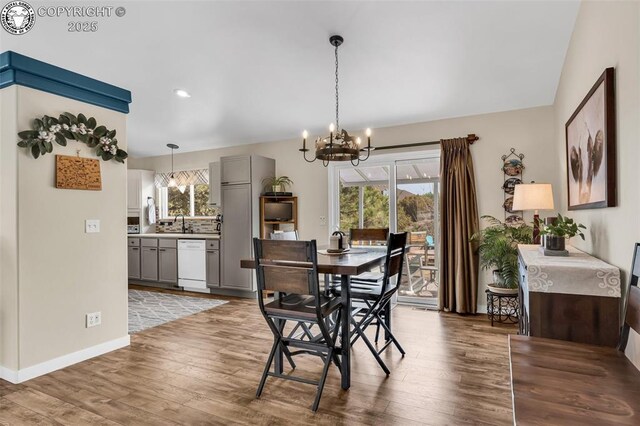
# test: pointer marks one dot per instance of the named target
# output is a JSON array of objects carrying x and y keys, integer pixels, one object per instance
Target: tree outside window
[
  {"x": 178, "y": 203},
  {"x": 194, "y": 202}
]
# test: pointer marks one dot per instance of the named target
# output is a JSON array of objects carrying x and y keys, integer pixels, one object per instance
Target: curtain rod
[{"x": 471, "y": 138}]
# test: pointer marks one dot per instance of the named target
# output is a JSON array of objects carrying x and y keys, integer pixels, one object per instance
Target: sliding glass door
[
  {"x": 417, "y": 184},
  {"x": 399, "y": 192}
]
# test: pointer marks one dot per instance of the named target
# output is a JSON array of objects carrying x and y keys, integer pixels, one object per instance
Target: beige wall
[
  {"x": 54, "y": 270},
  {"x": 8, "y": 231},
  {"x": 611, "y": 232},
  {"x": 529, "y": 131}
]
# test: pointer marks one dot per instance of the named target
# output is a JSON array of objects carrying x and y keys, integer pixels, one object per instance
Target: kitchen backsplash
[{"x": 199, "y": 226}]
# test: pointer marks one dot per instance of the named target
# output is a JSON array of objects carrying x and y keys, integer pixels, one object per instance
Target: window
[
  {"x": 194, "y": 202},
  {"x": 364, "y": 197}
]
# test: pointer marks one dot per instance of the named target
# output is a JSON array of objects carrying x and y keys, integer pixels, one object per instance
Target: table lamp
[{"x": 533, "y": 196}]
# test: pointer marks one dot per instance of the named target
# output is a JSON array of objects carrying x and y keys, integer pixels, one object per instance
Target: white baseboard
[{"x": 63, "y": 361}]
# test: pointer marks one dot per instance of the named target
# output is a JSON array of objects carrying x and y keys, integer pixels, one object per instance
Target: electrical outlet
[
  {"x": 91, "y": 226},
  {"x": 323, "y": 221},
  {"x": 94, "y": 319}
]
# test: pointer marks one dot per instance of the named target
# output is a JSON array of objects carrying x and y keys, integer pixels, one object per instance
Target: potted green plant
[
  {"x": 557, "y": 232},
  {"x": 277, "y": 183},
  {"x": 498, "y": 250}
]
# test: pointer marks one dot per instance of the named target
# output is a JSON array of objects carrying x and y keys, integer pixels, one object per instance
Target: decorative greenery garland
[{"x": 68, "y": 126}]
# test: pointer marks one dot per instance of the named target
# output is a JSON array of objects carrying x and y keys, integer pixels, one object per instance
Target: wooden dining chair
[
  {"x": 290, "y": 268},
  {"x": 368, "y": 281},
  {"x": 368, "y": 236},
  {"x": 377, "y": 299}
]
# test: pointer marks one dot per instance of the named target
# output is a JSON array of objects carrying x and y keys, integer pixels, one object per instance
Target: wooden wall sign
[{"x": 78, "y": 173}]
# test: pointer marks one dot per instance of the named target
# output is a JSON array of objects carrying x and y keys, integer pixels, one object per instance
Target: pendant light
[
  {"x": 172, "y": 178},
  {"x": 339, "y": 145}
]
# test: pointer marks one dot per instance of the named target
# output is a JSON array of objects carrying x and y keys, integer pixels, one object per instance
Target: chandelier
[{"x": 339, "y": 145}]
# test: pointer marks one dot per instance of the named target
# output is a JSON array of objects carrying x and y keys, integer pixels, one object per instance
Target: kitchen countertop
[{"x": 177, "y": 236}]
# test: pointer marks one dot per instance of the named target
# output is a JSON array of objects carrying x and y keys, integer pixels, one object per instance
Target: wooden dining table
[{"x": 355, "y": 262}]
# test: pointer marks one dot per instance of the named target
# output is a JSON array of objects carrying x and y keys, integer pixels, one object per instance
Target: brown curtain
[{"x": 458, "y": 222}]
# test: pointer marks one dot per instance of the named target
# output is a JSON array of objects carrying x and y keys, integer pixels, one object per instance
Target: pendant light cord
[
  {"x": 337, "y": 97},
  {"x": 172, "y": 149}
]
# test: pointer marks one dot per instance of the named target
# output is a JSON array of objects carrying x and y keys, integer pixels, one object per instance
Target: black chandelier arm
[
  {"x": 367, "y": 157},
  {"x": 357, "y": 163},
  {"x": 304, "y": 155}
]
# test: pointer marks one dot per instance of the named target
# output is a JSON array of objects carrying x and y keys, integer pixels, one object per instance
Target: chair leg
[
  {"x": 370, "y": 346},
  {"x": 377, "y": 330},
  {"x": 391, "y": 336},
  {"x": 267, "y": 367},
  {"x": 336, "y": 330},
  {"x": 287, "y": 353},
  {"x": 325, "y": 370}
]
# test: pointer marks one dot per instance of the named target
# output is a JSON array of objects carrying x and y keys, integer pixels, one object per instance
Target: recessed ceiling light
[{"x": 182, "y": 93}]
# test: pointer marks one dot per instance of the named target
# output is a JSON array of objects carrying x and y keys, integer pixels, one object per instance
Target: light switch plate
[
  {"x": 91, "y": 226},
  {"x": 93, "y": 319}
]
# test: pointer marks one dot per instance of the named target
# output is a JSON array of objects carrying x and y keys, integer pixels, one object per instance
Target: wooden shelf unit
[{"x": 267, "y": 227}]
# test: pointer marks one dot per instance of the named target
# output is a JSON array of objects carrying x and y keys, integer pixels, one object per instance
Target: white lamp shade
[{"x": 533, "y": 196}]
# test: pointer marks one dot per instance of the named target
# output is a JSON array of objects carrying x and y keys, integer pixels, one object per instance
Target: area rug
[{"x": 150, "y": 308}]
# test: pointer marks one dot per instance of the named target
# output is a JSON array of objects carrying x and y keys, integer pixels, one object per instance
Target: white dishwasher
[{"x": 192, "y": 269}]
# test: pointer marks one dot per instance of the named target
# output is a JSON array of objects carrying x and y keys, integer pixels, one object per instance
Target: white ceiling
[{"x": 263, "y": 71}]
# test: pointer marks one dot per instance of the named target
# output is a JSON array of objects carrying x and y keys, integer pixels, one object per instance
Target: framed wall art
[
  {"x": 591, "y": 148},
  {"x": 78, "y": 173}
]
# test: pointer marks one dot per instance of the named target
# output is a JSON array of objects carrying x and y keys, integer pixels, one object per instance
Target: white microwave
[{"x": 133, "y": 224}]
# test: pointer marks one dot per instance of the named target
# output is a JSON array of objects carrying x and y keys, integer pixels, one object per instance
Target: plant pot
[
  {"x": 276, "y": 188},
  {"x": 554, "y": 243},
  {"x": 502, "y": 290}
]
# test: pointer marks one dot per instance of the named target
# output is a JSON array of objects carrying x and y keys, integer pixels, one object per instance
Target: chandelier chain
[{"x": 337, "y": 97}]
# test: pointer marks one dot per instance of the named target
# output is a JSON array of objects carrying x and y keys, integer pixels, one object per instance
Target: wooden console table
[{"x": 575, "y": 298}]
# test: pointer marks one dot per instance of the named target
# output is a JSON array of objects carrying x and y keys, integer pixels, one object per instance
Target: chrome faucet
[{"x": 184, "y": 228}]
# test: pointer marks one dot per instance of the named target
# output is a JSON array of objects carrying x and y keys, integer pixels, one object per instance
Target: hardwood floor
[{"x": 204, "y": 369}]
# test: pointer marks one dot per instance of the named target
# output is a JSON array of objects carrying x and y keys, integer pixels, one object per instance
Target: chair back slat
[
  {"x": 396, "y": 246},
  {"x": 632, "y": 316},
  {"x": 635, "y": 269},
  {"x": 368, "y": 236},
  {"x": 286, "y": 279},
  {"x": 632, "y": 309},
  {"x": 286, "y": 266},
  {"x": 417, "y": 237},
  {"x": 286, "y": 250},
  {"x": 395, "y": 264}
]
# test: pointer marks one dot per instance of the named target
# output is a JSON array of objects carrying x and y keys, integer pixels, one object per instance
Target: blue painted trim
[{"x": 22, "y": 70}]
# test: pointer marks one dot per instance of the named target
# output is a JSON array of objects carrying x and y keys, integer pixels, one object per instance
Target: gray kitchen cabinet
[
  {"x": 235, "y": 170},
  {"x": 237, "y": 234},
  {"x": 168, "y": 265},
  {"x": 241, "y": 187},
  {"x": 213, "y": 268},
  {"x": 133, "y": 261},
  {"x": 134, "y": 180},
  {"x": 149, "y": 263},
  {"x": 214, "y": 184}
]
